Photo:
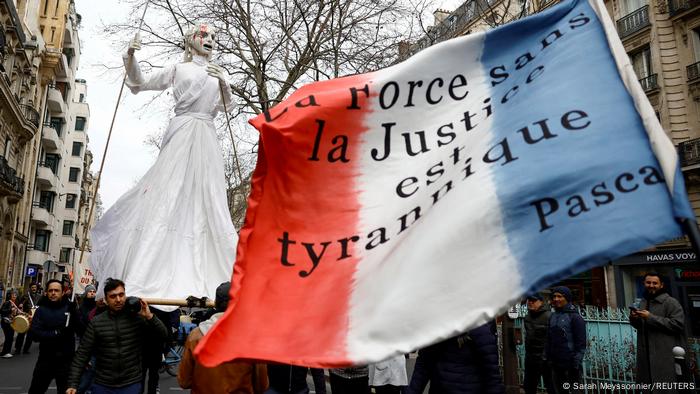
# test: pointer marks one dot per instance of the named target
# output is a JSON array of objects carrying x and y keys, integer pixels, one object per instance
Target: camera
[{"x": 132, "y": 305}]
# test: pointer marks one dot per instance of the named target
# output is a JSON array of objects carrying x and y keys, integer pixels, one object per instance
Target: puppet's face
[{"x": 202, "y": 40}]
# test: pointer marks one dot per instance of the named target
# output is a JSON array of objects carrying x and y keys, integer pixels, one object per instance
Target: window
[
  {"x": 57, "y": 124},
  {"x": 64, "y": 257},
  {"x": 77, "y": 148},
  {"x": 695, "y": 34},
  {"x": 41, "y": 240},
  {"x": 629, "y": 6},
  {"x": 68, "y": 227},
  {"x": 641, "y": 63},
  {"x": 80, "y": 123},
  {"x": 46, "y": 200},
  {"x": 70, "y": 200},
  {"x": 8, "y": 144},
  {"x": 51, "y": 161},
  {"x": 82, "y": 98},
  {"x": 74, "y": 174}
]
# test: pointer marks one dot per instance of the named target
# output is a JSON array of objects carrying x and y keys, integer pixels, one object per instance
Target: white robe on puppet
[{"x": 171, "y": 236}]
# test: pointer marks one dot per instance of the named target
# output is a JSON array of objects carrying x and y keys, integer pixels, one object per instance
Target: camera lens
[{"x": 133, "y": 305}]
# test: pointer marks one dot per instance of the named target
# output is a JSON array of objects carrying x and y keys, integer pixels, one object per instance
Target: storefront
[{"x": 680, "y": 272}]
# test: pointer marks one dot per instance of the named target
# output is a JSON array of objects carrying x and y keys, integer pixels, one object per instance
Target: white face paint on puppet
[{"x": 201, "y": 39}]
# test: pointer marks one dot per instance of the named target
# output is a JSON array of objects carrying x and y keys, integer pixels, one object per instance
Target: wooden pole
[{"x": 193, "y": 302}]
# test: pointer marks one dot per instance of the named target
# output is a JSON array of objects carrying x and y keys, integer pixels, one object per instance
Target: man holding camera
[{"x": 116, "y": 338}]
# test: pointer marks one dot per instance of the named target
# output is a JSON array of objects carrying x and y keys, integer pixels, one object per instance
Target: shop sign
[
  {"x": 31, "y": 271},
  {"x": 682, "y": 274},
  {"x": 661, "y": 257}
]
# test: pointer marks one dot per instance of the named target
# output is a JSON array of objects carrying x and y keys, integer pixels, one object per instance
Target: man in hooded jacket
[{"x": 566, "y": 341}]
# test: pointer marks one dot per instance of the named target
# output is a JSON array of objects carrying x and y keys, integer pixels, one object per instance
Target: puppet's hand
[
  {"x": 134, "y": 44},
  {"x": 217, "y": 72}
]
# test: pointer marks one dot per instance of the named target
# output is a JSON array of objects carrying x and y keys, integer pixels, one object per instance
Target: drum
[{"x": 20, "y": 324}]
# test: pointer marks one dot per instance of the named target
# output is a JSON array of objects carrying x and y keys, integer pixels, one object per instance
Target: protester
[
  {"x": 536, "y": 326},
  {"x": 87, "y": 304},
  {"x": 566, "y": 341},
  {"x": 291, "y": 379},
  {"x": 353, "y": 380},
  {"x": 53, "y": 326},
  {"x": 153, "y": 353},
  {"x": 85, "y": 315},
  {"x": 660, "y": 323},
  {"x": 465, "y": 364},
  {"x": 29, "y": 302},
  {"x": 8, "y": 311},
  {"x": 230, "y": 377},
  {"x": 116, "y": 339},
  {"x": 389, "y": 376}
]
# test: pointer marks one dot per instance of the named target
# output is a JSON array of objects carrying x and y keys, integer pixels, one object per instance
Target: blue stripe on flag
[{"x": 593, "y": 223}]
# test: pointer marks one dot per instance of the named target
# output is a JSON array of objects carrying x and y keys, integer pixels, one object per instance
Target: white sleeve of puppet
[{"x": 156, "y": 80}]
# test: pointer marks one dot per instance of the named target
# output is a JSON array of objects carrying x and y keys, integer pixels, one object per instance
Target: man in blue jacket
[
  {"x": 53, "y": 326},
  {"x": 465, "y": 364},
  {"x": 566, "y": 342}
]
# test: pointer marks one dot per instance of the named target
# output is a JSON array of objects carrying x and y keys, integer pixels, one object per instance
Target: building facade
[{"x": 662, "y": 39}]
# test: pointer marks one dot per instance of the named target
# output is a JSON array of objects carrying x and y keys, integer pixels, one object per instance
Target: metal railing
[
  {"x": 689, "y": 152},
  {"x": 649, "y": 83},
  {"x": 693, "y": 71},
  {"x": 31, "y": 114},
  {"x": 9, "y": 178},
  {"x": 633, "y": 22},
  {"x": 678, "y": 6}
]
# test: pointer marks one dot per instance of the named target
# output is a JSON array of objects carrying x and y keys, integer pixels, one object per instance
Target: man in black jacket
[
  {"x": 53, "y": 326},
  {"x": 116, "y": 339},
  {"x": 536, "y": 326}
]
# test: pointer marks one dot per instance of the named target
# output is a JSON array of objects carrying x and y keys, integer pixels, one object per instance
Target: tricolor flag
[{"x": 393, "y": 209}]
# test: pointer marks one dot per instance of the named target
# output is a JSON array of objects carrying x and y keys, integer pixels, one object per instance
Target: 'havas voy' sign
[{"x": 392, "y": 209}]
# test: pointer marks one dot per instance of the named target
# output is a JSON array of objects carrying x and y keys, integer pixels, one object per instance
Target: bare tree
[{"x": 270, "y": 48}]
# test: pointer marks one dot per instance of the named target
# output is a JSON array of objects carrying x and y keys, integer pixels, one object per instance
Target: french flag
[{"x": 394, "y": 209}]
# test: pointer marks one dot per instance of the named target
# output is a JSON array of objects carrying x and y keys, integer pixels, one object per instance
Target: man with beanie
[
  {"x": 566, "y": 341},
  {"x": 86, "y": 306},
  {"x": 230, "y": 377},
  {"x": 536, "y": 327},
  {"x": 660, "y": 323},
  {"x": 53, "y": 327}
]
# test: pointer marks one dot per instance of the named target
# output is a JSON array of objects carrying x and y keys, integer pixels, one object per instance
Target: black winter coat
[
  {"x": 53, "y": 326},
  {"x": 287, "y": 379},
  {"x": 116, "y": 340},
  {"x": 536, "y": 327},
  {"x": 466, "y": 364},
  {"x": 566, "y": 339}
]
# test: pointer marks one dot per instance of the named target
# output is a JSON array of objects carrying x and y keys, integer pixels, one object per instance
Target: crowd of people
[{"x": 114, "y": 344}]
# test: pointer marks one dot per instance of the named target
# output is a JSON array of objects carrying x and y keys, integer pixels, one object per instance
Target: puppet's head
[{"x": 199, "y": 39}]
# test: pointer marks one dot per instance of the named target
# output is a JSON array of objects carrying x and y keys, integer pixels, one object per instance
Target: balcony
[
  {"x": 634, "y": 22},
  {"x": 30, "y": 114},
  {"x": 50, "y": 138},
  {"x": 693, "y": 71},
  {"x": 689, "y": 152},
  {"x": 37, "y": 257},
  {"x": 11, "y": 185},
  {"x": 45, "y": 176},
  {"x": 677, "y": 6},
  {"x": 55, "y": 100},
  {"x": 41, "y": 214},
  {"x": 649, "y": 83}
]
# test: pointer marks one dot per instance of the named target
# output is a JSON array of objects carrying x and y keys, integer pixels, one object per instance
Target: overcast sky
[{"x": 128, "y": 157}]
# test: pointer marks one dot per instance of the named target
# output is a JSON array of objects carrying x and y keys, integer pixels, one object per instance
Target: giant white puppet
[{"x": 171, "y": 236}]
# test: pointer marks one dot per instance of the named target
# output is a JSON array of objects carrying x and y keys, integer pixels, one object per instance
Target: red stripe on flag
[{"x": 285, "y": 310}]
